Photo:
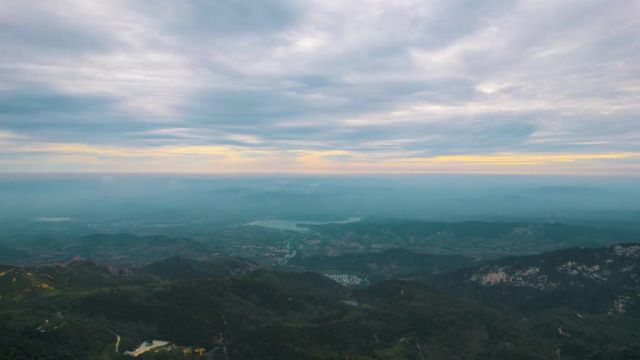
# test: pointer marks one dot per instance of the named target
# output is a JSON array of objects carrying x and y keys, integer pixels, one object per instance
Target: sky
[{"x": 320, "y": 86}]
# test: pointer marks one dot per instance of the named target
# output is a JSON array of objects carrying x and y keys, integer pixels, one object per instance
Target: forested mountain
[
  {"x": 563, "y": 304},
  {"x": 600, "y": 280}
]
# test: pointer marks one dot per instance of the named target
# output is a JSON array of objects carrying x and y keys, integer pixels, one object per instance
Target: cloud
[
  {"x": 225, "y": 159},
  {"x": 369, "y": 80},
  {"x": 34, "y": 101},
  {"x": 203, "y": 19}
]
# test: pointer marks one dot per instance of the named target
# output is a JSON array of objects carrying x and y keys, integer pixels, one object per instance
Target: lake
[{"x": 292, "y": 225}]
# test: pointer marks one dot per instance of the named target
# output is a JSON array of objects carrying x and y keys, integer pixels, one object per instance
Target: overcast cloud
[{"x": 320, "y": 86}]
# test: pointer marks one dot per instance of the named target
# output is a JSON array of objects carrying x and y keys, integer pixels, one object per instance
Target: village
[{"x": 346, "y": 279}]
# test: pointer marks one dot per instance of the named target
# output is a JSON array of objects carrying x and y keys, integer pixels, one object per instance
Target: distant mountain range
[
  {"x": 478, "y": 240},
  {"x": 472, "y": 238},
  {"x": 106, "y": 248}
]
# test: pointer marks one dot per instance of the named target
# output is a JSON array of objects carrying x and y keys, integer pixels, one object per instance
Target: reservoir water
[{"x": 295, "y": 225}]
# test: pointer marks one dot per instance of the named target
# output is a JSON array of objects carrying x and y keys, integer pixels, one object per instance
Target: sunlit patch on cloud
[
  {"x": 223, "y": 159},
  {"x": 8, "y": 135}
]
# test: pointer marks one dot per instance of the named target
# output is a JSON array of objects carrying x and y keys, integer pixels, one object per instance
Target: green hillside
[{"x": 233, "y": 310}]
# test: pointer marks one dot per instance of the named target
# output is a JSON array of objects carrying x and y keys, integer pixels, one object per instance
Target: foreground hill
[
  {"x": 376, "y": 266},
  {"x": 178, "y": 267},
  {"x": 600, "y": 280},
  {"x": 233, "y": 310},
  {"x": 262, "y": 315}
]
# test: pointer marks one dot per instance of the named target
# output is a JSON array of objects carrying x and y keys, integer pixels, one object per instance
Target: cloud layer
[{"x": 320, "y": 86}]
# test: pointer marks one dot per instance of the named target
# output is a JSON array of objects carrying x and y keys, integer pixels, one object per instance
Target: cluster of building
[
  {"x": 150, "y": 345},
  {"x": 219, "y": 349},
  {"x": 344, "y": 279}
]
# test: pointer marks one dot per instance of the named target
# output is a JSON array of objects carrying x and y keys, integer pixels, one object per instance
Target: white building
[{"x": 147, "y": 346}]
